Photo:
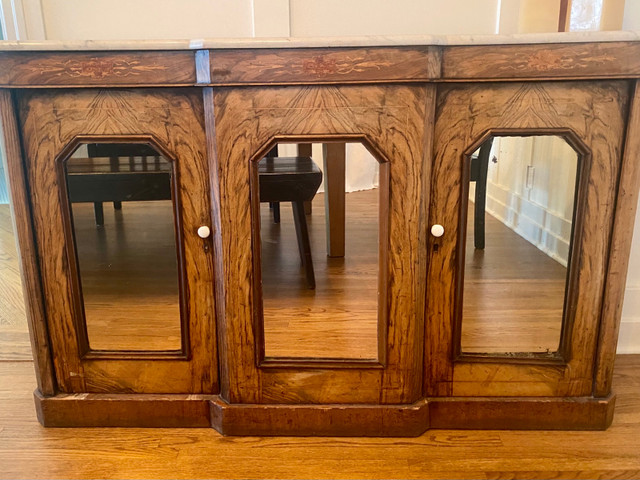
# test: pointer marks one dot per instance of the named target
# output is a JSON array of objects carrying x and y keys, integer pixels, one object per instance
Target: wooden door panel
[
  {"x": 391, "y": 121},
  {"x": 51, "y": 123},
  {"x": 593, "y": 114}
]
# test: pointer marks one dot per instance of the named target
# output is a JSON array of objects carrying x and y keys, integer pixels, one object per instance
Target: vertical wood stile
[
  {"x": 25, "y": 244},
  {"x": 626, "y": 206}
]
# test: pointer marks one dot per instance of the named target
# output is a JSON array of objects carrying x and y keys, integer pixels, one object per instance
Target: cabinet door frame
[
  {"x": 54, "y": 123},
  {"x": 595, "y": 127},
  {"x": 392, "y": 121}
]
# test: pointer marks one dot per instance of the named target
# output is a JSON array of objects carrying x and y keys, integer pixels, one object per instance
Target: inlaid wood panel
[
  {"x": 174, "y": 122},
  {"x": 393, "y": 121},
  {"x": 594, "y": 115},
  {"x": 324, "y": 65},
  {"x": 97, "y": 68},
  {"x": 579, "y": 60}
]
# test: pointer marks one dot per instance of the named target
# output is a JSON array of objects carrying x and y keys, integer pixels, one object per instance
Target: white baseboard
[
  {"x": 500, "y": 206},
  {"x": 629, "y": 339},
  {"x": 541, "y": 227}
]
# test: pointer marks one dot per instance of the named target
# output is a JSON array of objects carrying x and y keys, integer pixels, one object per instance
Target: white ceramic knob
[
  {"x": 437, "y": 230},
  {"x": 204, "y": 232}
]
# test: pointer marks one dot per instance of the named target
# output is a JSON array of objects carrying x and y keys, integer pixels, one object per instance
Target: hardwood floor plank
[{"x": 28, "y": 450}]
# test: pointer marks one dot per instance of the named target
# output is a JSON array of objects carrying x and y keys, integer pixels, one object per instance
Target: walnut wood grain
[
  {"x": 50, "y": 123},
  {"x": 551, "y": 61},
  {"x": 324, "y": 65},
  {"x": 81, "y": 69},
  {"x": 108, "y": 410},
  {"x": 26, "y": 246},
  {"x": 626, "y": 205},
  {"x": 474, "y": 110},
  {"x": 522, "y": 413},
  {"x": 390, "y": 121},
  {"x": 325, "y": 420}
]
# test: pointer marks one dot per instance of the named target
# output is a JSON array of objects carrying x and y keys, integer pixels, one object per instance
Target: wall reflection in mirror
[
  {"x": 123, "y": 221},
  {"x": 319, "y": 295},
  {"x": 522, "y": 196}
]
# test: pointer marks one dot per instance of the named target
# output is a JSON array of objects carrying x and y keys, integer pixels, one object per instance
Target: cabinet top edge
[{"x": 321, "y": 42}]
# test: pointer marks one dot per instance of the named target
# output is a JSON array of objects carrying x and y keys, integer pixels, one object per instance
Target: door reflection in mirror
[
  {"x": 520, "y": 216},
  {"x": 124, "y": 229}
]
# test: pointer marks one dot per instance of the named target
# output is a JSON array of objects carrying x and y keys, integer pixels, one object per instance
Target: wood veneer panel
[
  {"x": 50, "y": 121},
  {"x": 522, "y": 414},
  {"x": 626, "y": 205},
  {"x": 333, "y": 420},
  {"x": 391, "y": 120},
  {"x": 27, "y": 251},
  {"x": 31, "y": 69},
  {"x": 595, "y": 113},
  {"x": 324, "y": 65},
  {"x": 549, "y": 61},
  {"x": 103, "y": 410}
]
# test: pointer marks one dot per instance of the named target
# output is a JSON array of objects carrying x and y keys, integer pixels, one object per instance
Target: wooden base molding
[
  {"x": 325, "y": 420},
  {"x": 122, "y": 410},
  {"x": 534, "y": 413},
  {"x": 133, "y": 410}
]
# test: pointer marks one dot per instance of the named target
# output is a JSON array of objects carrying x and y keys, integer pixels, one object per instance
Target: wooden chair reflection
[
  {"x": 136, "y": 172},
  {"x": 133, "y": 172},
  {"x": 295, "y": 180},
  {"x": 478, "y": 173}
]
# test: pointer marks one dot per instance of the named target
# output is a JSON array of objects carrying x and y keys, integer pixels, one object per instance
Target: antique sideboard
[{"x": 211, "y": 110}]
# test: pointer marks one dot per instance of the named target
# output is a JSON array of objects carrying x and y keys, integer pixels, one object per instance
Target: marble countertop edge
[{"x": 320, "y": 42}]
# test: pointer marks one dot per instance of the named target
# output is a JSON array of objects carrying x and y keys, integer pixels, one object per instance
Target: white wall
[
  {"x": 629, "y": 340},
  {"x": 146, "y": 19},
  {"x": 531, "y": 190},
  {"x": 397, "y": 17}
]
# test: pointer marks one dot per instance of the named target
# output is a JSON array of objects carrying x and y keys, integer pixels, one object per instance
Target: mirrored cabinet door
[
  {"x": 123, "y": 216},
  {"x": 125, "y": 238},
  {"x": 520, "y": 215},
  {"x": 515, "y": 282},
  {"x": 319, "y": 303}
]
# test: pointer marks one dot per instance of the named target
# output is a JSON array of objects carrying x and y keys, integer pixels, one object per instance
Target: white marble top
[{"x": 368, "y": 41}]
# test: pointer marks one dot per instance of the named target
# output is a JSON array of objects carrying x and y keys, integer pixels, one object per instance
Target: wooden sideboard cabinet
[{"x": 160, "y": 292}]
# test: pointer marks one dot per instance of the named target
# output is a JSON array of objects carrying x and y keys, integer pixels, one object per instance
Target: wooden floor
[
  {"x": 338, "y": 319},
  {"x": 128, "y": 269},
  {"x": 513, "y": 294},
  {"x": 27, "y": 450}
]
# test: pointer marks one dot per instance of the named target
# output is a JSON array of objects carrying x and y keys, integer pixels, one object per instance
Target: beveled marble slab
[{"x": 311, "y": 42}]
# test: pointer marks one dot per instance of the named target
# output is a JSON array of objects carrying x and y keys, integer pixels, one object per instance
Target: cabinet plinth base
[{"x": 496, "y": 413}]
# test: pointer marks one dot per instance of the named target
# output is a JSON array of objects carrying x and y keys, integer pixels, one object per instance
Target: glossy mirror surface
[
  {"x": 123, "y": 221},
  {"x": 518, "y": 244},
  {"x": 332, "y": 312}
]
